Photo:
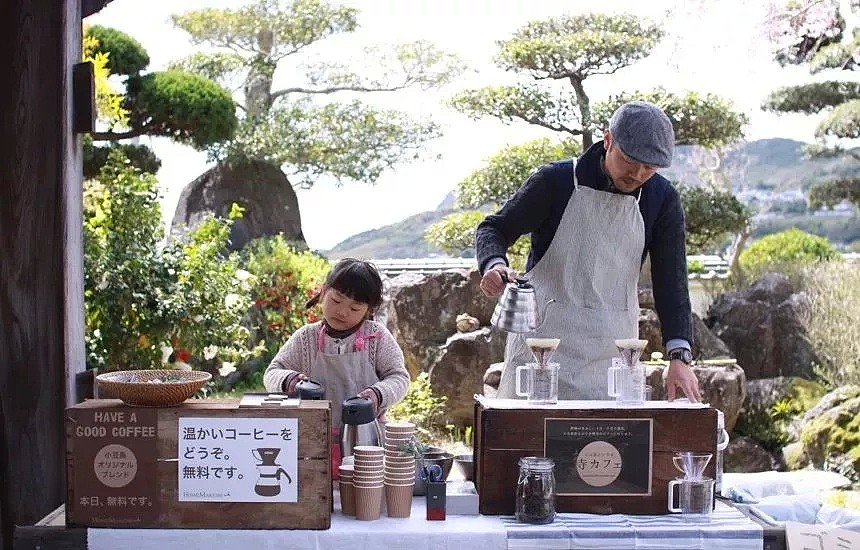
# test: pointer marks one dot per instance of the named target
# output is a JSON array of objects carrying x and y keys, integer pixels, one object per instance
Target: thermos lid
[
  {"x": 310, "y": 389},
  {"x": 357, "y": 410}
]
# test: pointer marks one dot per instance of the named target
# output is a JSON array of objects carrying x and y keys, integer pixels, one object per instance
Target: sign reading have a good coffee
[
  {"x": 238, "y": 459},
  {"x": 113, "y": 484}
]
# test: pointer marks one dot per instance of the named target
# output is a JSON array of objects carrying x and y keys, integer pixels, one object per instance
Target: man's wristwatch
[{"x": 681, "y": 354}]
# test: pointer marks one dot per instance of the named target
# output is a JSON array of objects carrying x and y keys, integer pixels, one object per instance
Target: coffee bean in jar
[{"x": 535, "y": 502}]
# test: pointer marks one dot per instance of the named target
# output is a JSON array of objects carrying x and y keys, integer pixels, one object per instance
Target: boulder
[
  {"x": 829, "y": 435},
  {"x": 794, "y": 396},
  {"x": 723, "y": 386},
  {"x": 421, "y": 312},
  {"x": 492, "y": 379},
  {"x": 745, "y": 455},
  {"x": 762, "y": 327},
  {"x": 261, "y": 188},
  {"x": 458, "y": 373},
  {"x": 706, "y": 344}
]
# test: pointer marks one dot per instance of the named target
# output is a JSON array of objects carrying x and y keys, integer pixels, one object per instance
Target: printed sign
[
  {"x": 238, "y": 459},
  {"x": 115, "y": 467},
  {"x": 600, "y": 456}
]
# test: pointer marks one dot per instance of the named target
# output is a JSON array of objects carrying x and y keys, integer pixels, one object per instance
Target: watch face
[{"x": 682, "y": 354}]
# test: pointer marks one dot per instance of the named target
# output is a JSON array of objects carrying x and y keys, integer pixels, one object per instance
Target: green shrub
[
  {"x": 420, "y": 406},
  {"x": 285, "y": 278},
  {"x": 832, "y": 319},
  {"x": 787, "y": 251},
  {"x": 145, "y": 300},
  {"x": 185, "y": 107},
  {"x": 710, "y": 216},
  {"x": 126, "y": 56}
]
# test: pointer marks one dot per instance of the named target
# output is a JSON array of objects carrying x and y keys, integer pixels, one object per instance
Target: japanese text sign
[{"x": 238, "y": 459}]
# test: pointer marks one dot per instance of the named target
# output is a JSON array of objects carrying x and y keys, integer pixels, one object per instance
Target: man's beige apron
[
  {"x": 343, "y": 375},
  {"x": 591, "y": 269}
]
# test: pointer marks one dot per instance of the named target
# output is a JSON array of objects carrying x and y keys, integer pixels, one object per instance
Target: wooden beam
[{"x": 41, "y": 256}]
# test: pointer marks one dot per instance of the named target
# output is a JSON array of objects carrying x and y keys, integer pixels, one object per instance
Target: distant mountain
[{"x": 767, "y": 165}]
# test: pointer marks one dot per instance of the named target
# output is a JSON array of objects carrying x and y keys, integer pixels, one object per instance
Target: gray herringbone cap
[{"x": 644, "y": 133}]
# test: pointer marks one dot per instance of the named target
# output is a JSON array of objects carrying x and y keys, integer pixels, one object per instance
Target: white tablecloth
[{"x": 728, "y": 529}]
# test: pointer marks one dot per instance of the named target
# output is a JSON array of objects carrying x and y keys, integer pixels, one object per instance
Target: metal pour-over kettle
[{"x": 517, "y": 308}]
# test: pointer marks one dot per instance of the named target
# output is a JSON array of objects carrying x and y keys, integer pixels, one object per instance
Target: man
[{"x": 592, "y": 221}]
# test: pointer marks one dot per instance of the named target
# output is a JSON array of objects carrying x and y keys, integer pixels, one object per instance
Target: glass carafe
[
  {"x": 627, "y": 383},
  {"x": 536, "y": 490},
  {"x": 541, "y": 387}
]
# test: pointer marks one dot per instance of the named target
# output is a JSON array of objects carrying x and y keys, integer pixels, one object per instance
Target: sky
[{"x": 711, "y": 46}]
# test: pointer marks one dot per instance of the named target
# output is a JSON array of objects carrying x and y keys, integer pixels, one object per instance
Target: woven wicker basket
[{"x": 134, "y": 387}]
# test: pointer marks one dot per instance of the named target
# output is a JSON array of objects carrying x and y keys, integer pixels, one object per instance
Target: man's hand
[
  {"x": 681, "y": 377},
  {"x": 368, "y": 393},
  {"x": 494, "y": 280}
]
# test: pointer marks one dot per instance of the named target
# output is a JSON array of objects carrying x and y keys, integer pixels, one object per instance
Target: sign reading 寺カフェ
[
  {"x": 238, "y": 459},
  {"x": 115, "y": 467},
  {"x": 604, "y": 456}
]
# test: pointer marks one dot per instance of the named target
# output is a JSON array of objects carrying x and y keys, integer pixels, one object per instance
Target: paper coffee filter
[
  {"x": 630, "y": 349},
  {"x": 542, "y": 348}
]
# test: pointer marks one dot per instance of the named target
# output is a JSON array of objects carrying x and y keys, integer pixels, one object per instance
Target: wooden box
[
  {"x": 635, "y": 445},
  {"x": 241, "y": 468}
]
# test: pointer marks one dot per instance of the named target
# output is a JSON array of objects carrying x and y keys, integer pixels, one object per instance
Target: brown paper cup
[
  {"x": 400, "y": 426},
  {"x": 347, "y": 499},
  {"x": 368, "y": 502},
  {"x": 398, "y": 499}
]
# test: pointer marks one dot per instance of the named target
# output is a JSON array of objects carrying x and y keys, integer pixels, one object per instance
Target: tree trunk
[
  {"x": 258, "y": 86},
  {"x": 735, "y": 250},
  {"x": 584, "y": 112},
  {"x": 41, "y": 255}
]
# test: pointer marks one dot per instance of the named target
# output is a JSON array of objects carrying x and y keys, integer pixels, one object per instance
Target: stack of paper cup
[
  {"x": 399, "y": 469},
  {"x": 367, "y": 479},
  {"x": 347, "y": 489}
]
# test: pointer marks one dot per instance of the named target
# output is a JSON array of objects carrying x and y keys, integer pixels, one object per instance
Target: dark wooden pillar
[{"x": 41, "y": 282}]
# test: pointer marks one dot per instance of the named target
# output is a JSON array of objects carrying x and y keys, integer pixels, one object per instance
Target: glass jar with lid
[{"x": 535, "y": 500}]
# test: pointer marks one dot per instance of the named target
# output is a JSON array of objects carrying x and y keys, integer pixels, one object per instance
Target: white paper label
[{"x": 238, "y": 459}]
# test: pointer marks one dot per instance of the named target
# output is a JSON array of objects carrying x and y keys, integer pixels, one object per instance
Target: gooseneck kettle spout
[{"x": 517, "y": 309}]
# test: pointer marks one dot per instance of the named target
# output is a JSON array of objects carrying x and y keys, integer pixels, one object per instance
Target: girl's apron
[
  {"x": 343, "y": 375},
  {"x": 591, "y": 268}
]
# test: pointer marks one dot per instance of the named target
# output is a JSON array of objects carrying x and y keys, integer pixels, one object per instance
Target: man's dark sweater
[{"x": 537, "y": 208}]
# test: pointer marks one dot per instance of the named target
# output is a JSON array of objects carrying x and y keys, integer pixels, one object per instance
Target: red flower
[{"x": 183, "y": 355}]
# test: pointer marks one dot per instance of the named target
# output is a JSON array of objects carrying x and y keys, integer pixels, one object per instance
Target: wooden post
[{"x": 41, "y": 255}]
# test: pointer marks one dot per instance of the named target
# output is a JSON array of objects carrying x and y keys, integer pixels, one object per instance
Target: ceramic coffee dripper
[{"x": 517, "y": 308}]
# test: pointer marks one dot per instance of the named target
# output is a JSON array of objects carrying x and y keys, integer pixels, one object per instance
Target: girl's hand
[
  {"x": 292, "y": 387},
  {"x": 368, "y": 393}
]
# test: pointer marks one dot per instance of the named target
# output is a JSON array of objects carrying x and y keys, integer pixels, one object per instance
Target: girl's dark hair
[{"x": 357, "y": 279}]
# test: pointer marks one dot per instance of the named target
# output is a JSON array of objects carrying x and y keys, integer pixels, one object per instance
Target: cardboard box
[
  {"x": 203, "y": 464},
  {"x": 607, "y": 459}
]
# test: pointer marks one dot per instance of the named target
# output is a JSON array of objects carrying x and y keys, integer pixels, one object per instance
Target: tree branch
[
  {"x": 333, "y": 89},
  {"x": 549, "y": 126},
  {"x": 116, "y": 136}
]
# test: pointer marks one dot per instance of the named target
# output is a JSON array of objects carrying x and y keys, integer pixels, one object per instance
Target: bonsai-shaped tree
[
  {"x": 187, "y": 108},
  {"x": 817, "y": 34},
  {"x": 296, "y": 126},
  {"x": 568, "y": 50}
]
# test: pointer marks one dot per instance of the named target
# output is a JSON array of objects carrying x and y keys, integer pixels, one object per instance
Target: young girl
[{"x": 347, "y": 352}]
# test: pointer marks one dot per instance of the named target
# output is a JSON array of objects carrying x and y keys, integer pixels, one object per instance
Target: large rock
[
  {"x": 831, "y": 440},
  {"x": 793, "y": 396},
  {"x": 421, "y": 312},
  {"x": 762, "y": 327},
  {"x": 745, "y": 455},
  {"x": 458, "y": 372},
  {"x": 706, "y": 344},
  {"x": 261, "y": 188},
  {"x": 723, "y": 386}
]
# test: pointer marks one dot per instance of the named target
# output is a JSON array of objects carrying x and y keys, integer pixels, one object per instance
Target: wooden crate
[
  {"x": 97, "y": 496},
  {"x": 503, "y": 436}
]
